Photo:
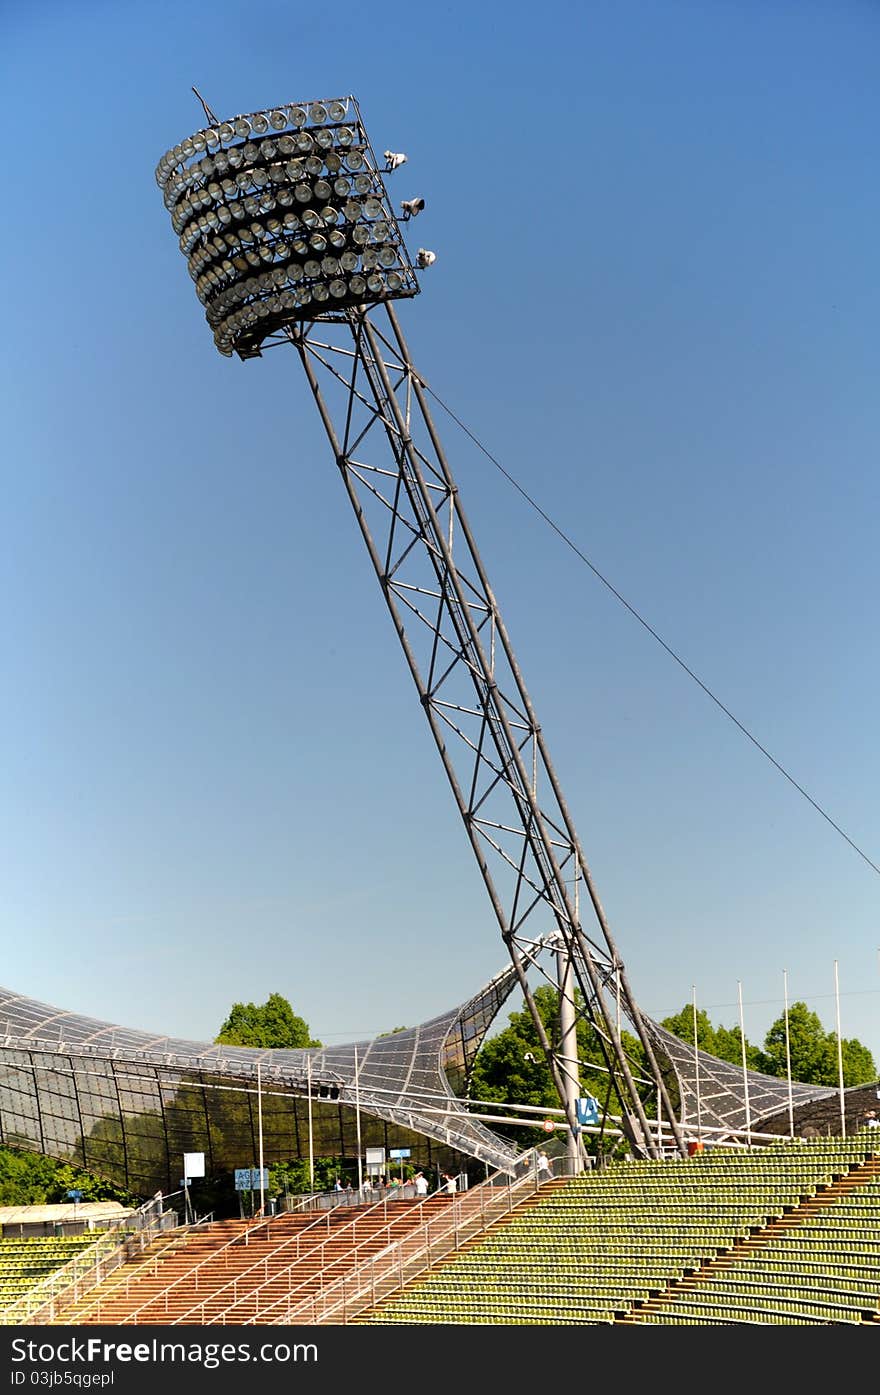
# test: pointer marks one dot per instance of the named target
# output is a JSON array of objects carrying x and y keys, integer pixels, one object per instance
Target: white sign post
[{"x": 193, "y": 1166}]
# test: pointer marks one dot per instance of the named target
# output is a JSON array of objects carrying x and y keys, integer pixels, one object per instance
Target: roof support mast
[{"x": 374, "y": 408}]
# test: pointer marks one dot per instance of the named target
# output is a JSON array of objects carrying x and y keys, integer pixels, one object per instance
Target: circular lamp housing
[{"x": 259, "y": 276}]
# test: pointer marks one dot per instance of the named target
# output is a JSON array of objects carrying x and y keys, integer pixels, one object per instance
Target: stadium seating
[{"x": 787, "y": 1233}]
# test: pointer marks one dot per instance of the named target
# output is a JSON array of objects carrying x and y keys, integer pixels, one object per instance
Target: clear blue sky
[{"x": 655, "y": 300}]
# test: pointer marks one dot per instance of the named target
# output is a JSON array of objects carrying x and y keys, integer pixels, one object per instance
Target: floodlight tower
[{"x": 290, "y": 238}]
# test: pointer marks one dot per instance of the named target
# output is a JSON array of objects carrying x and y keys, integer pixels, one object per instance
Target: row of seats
[{"x": 602, "y": 1247}]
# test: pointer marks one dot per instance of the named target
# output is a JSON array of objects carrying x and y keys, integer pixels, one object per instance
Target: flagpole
[
  {"x": 788, "y": 1054},
  {"x": 357, "y": 1107},
  {"x": 311, "y": 1136},
  {"x": 697, "y": 1073},
  {"x": 839, "y": 1055},
  {"x": 742, "y": 1036},
  {"x": 260, "y": 1130}
]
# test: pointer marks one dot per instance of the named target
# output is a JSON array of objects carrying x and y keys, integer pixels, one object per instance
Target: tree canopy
[
  {"x": 510, "y": 1066},
  {"x": 271, "y": 1024}
]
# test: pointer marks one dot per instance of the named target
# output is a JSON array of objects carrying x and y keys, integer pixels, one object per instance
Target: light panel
[{"x": 282, "y": 216}]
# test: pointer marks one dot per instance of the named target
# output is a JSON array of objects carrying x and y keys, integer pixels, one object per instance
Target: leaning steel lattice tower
[{"x": 289, "y": 234}]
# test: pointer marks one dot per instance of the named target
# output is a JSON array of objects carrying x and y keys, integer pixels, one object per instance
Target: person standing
[{"x": 421, "y": 1182}]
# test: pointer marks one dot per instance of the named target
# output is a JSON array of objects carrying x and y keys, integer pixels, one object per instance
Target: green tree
[
  {"x": 271, "y": 1024},
  {"x": 723, "y": 1042},
  {"x": 511, "y": 1068},
  {"x": 31, "y": 1179},
  {"x": 813, "y": 1051}
]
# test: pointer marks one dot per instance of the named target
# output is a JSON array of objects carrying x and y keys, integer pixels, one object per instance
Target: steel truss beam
[{"x": 374, "y": 408}]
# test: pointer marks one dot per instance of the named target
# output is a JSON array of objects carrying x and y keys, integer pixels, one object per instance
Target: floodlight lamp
[
  {"x": 320, "y": 292},
  {"x": 395, "y": 281},
  {"x": 324, "y": 139},
  {"x": 278, "y": 120},
  {"x": 268, "y": 149},
  {"x": 357, "y": 285},
  {"x": 338, "y": 289},
  {"x": 323, "y": 190},
  {"x": 304, "y": 142},
  {"x": 226, "y": 132},
  {"x": 394, "y": 159},
  {"x": 259, "y": 124},
  {"x": 411, "y": 207},
  {"x": 333, "y": 162},
  {"x": 287, "y": 145},
  {"x": 372, "y": 208},
  {"x": 344, "y": 136},
  {"x": 298, "y": 116},
  {"x": 336, "y": 110},
  {"x": 349, "y": 261},
  {"x": 317, "y": 113},
  {"x": 425, "y": 258},
  {"x": 354, "y": 160}
]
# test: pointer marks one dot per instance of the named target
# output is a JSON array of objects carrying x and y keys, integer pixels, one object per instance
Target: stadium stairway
[{"x": 229, "y": 1272}]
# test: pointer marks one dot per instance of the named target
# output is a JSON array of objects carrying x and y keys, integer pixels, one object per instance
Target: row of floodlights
[
  {"x": 259, "y": 124},
  {"x": 231, "y": 225},
  {"x": 321, "y": 295},
  {"x": 223, "y": 284},
  {"x": 302, "y": 147},
  {"x": 227, "y": 262}
]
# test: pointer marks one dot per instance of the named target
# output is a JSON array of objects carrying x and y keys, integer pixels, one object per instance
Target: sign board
[
  {"x": 587, "y": 1110},
  {"x": 247, "y": 1179},
  {"x": 194, "y": 1164},
  {"x": 548, "y": 1126},
  {"x": 375, "y": 1157},
  {"x": 398, "y": 1152},
  {"x": 74, "y": 1195}
]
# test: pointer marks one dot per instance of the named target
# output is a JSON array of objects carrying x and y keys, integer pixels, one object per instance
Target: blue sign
[
  {"x": 398, "y": 1152},
  {"x": 247, "y": 1179},
  {"x": 74, "y": 1196},
  {"x": 587, "y": 1110}
]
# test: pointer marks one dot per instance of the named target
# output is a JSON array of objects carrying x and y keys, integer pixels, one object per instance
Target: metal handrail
[
  {"x": 88, "y": 1268},
  {"x": 439, "y": 1236},
  {"x": 241, "y": 1238},
  {"x": 355, "y": 1220}
]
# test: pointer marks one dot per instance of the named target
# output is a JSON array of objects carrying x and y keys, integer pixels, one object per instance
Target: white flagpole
[
  {"x": 260, "y": 1130},
  {"x": 357, "y": 1107},
  {"x": 839, "y": 1055},
  {"x": 788, "y": 1055},
  {"x": 697, "y": 1073},
  {"x": 742, "y": 1037},
  {"x": 311, "y": 1136}
]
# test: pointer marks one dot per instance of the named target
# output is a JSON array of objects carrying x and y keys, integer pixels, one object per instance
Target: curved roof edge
[{"x": 406, "y": 1077}]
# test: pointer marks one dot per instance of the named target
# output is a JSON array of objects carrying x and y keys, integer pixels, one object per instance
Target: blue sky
[{"x": 655, "y": 302}]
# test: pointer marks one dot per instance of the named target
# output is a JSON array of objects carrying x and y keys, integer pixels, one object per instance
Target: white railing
[
  {"x": 467, "y": 1215},
  {"x": 303, "y": 1240},
  {"x": 67, "y": 1284}
]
